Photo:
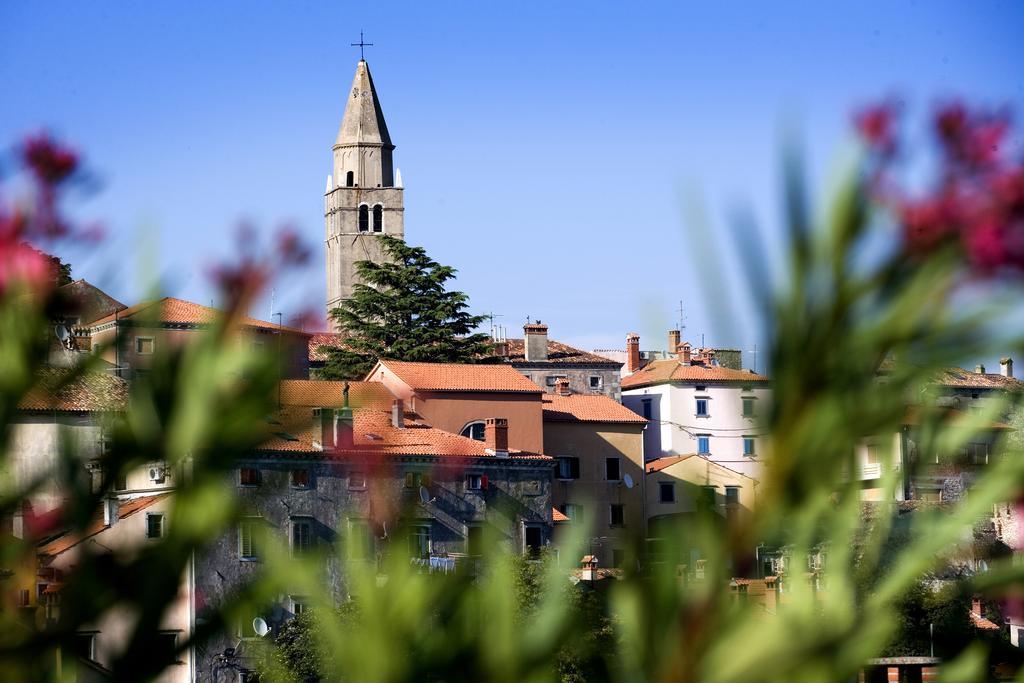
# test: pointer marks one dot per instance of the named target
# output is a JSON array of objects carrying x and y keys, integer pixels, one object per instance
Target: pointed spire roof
[{"x": 363, "y": 121}]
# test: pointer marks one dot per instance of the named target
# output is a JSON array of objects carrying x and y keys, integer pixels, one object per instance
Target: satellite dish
[
  {"x": 627, "y": 480},
  {"x": 62, "y": 332},
  {"x": 425, "y": 496},
  {"x": 260, "y": 627}
]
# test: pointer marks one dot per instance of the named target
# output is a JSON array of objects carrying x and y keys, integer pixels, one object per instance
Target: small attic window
[
  {"x": 350, "y": 179},
  {"x": 364, "y": 218}
]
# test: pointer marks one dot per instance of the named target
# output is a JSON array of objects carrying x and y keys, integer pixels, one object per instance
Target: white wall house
[{"x": 698, "y": 407}]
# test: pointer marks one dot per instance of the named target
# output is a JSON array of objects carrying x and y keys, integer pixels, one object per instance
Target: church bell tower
[{"x": 363, "y": 199}]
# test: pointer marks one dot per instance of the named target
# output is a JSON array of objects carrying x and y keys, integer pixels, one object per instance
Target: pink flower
[
  {"x": 986, "y": 246},
  {"x": 50, "y": 162},
  {"x": 876, "y": 125}
]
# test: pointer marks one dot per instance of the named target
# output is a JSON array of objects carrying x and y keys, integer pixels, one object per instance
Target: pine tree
[{"x": 402, "y": 311}]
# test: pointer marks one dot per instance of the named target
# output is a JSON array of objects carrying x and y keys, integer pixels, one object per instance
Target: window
[
  {"x": 704, "y": 444},
  {"x": 154, "y": 525},
  {"x": 748, "y": 446},
  {"x": 976, "y": 453},
  {"x": 666, "y": 492},
  {"x": 364, "y": 218},
  {"x": 707, "y": 497},
  {"x": 702, "y": 407},
  {"x": 573, "y": 511},
  {"x": 748, "y": 407},
  {"x": 732, "y": 497},
  {"x": 595, "y": 382},
  {"x": 357, "y": 480},
  {"x": 474, "y": 482},
  {"x": 249, "y": 476},
  {"x": 121, "y": 482},
  {"x": 617, "y": 516},
  {"x": 552, "y": 379},
  {"x": 167, "y": 646},
  {"x": 298, "y": 604},
  {"x": 24, "y": 597},
  {"x": 474, "y": 430},
  {"x": 144, "y": 346},
  {"x": 85, "y": 645},
  {"x": 532, "y": 540},
  {"x": 568, "y": 468},
  {"x": 302, "y": 535},
  {"x": 414, "y": 480},
  {"x": 611, "y": 469},
  {"x": 617, "y": 555},
  {"x": 360, "y": 542},
  {"x": 378, "y": 218},
  {"x": 419, "y": 541},
  {"x": 350, "y": 179},
  {"x": 474, "y": 540},
  {"x": 246, "y": 543},
  {"x": 300, "y": 479},
  {"x": 701, "y": 387}
]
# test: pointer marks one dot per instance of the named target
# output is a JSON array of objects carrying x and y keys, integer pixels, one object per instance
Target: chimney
[
  {"x": 684, "y": 351},
  {"x": 397, "y": 414},
  {"x": 496, "y": 436},
  {"x": 976, "y": 607},
  {"x": 588, "y": 568},
  {"x": 328, "y": 429},
  {"x": 979, "y": 369},
  {"x": 632, "y": 352},
  {"x": 1006, "y": 367},
  {"x": 536, "y": 341},
  {"x": 673, "y": 340},
  {"x": 343, "y": 428},
  {"x": 562, "y": 386},
  {"x": 110, "y": 510}
]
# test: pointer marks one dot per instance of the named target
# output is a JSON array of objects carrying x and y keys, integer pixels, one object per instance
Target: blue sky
[{"x": 546, "y": 148}]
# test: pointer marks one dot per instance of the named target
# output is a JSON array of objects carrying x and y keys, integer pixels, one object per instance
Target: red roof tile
[
  {"x": 983, "y": 624},
  {"x": 330, "y": 394},
  {"x": 318, "y": 340},
  {"x": 558, "y": 516},
  {"x": 557, "y": 353},
  {"x": 664, "y": 371},
  {"x": 661, "y": 463},
  {"x": 125, "y": 508},
  {"x": 960, "y": 378},
  {"x": 298, "y": 430},
  {"x": 57, "y": 389},
  {"x": 172, "y": 311},
  {"x": 587, "y": 408},
  {"x": 459, "y": 377}
]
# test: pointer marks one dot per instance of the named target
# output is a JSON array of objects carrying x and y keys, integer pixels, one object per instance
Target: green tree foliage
[{"x": 402, "y": 310}]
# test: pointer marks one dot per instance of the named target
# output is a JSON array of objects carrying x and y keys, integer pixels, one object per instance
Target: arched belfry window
[
  {"x": 378, "y": 218},
  {"x": 364, "y": 218},
  {"x": 350, "y": 179}
]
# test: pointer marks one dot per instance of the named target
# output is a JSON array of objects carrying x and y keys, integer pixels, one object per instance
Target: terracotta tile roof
[
  {"x": 661, "y": 463},
  {"x": 460, "y": 377},
  {"x": 298, "y": 431},
  {"x": 330, "y": 394},
  {"x": 663, "y": 371},
  {"x": 587, "y": 408},
  {"x": 89, "y": 392},
  {"x": 172, "y": 311},
  {"x": 126, "y": 508},
  {"x": 558, "y": 516},
  {"x": 321, "y": 339},
  {"x": 557, "y": 353},
  {"x": 965, "y": 379},
  {"x": 983, "y": 624}
]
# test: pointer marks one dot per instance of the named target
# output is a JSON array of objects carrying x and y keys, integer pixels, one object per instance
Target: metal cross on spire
[{"x": 361, "y": 44}]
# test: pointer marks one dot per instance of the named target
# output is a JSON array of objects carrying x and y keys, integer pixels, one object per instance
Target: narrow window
[
  {"x": 748, "y": 407},
  {"x": 378, "y": 218},
  {"x": 574, "y": 511},
  {"x": 532, "y": 540},
  {"x": 246, "y": 543},
  {"x": 707, "y": 497},
  {"x": 704, "y": 444},
  {"x": 302, "y": 536},
  {"x": 702, "y": 407},
  {"x": 121, "y": 482},
  {"x": 666, "y": 492},
  {"x": 568, "y": 468},
  {"x": 748, "y": 447},
  {"x": 364, "y": 218},
  {"x": 357, "y": 480},
  {"x": 154, "y": 525},
  {"x": 360, "y": 542},
  {"x": 419, "y": 541},
  {"x": 647, "y": 409},
  {"x": 474, "y": 482},
  {"x": 85, "y": 645},
  {"x": 248, "y": 476},
  {"x": 617, "y": 514},
  {"x": 413, "y": 480},
  {"x": 474, "y": 540},
  {"x": 732, "y": 497},
  {"x": 167, "y": 646},
  {"x": 350, "y": 179},
  {"x": 611, "y": 469},
  {"x": 298, "y": 604},
  {"x": 300, "y": 479},
  {"x": 144, "y": 346},
  {"x": 617, "y": 555}
]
